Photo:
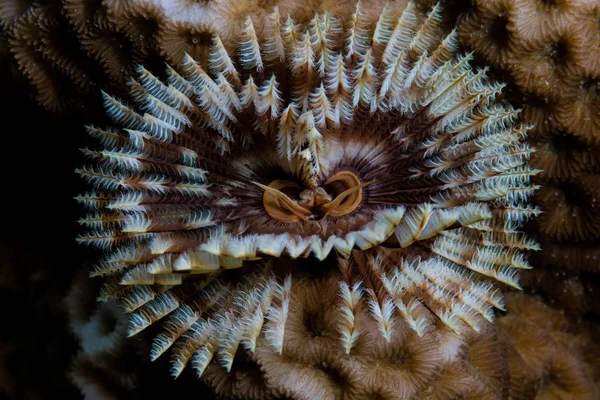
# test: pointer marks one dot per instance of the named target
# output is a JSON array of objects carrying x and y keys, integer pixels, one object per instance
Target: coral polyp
[{"x": 373, "y": 148}]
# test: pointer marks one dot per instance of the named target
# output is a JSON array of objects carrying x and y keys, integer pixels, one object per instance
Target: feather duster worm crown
[{"x": 377, "y": 143}]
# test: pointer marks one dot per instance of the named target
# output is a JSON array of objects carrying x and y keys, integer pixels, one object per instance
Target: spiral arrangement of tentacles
[{"x": 374, "y": 147}]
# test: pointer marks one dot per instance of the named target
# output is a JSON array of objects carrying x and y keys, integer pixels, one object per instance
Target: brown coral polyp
[
  {"x": 541, "y": 21},
  {"x": 404, "y": 369},
  {"x": 141, "y": 29},
  {"x": 581, "y": 111},
  {"x": 50, "y": 92},
  {"x": 62, "y": 49},
  {"x": 114, "y": 51},
  {"x": 568, "y": 213},
  {"x": 545, "y": 353},
  {"x": 584, "y": 256},
  {"x": 12, "y": 10},
  {"x": 586, "y": 28},
  {"x": 175, "y": 39},
  {"x": 562, "y": 156},
  {"x": 86, "y": 15},
  {"x": 311, "y": 327},
  {"x": 485, "y": 28},
  {"x": 545, "y": 69},
  {"x": 245, "y": 381}
]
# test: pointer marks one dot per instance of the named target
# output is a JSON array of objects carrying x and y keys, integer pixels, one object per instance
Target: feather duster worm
[{"x": 376, "y": 143}]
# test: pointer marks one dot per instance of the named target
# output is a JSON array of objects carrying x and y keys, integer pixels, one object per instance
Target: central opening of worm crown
[{"x": 287, "y": 201}]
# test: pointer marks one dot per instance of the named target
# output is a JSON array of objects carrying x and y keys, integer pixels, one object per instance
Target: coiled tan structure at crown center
[{"x": 312, "y": 203}]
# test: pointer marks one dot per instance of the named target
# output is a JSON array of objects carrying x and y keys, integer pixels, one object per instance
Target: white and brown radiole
[{"x": 375, "y": 144}]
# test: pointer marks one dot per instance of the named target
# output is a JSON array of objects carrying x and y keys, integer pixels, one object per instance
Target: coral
[
  {"x": 549, "y": 51},
  {"x": 55, "y": 90},
  {"x": 550, "y": 355},
  {"x": 101, "y": 332},
  {"x": 535, "y": 351},
  {"x": 377, "y": 143},
  {"x": 562, "y": 157},
  {"x": 107, "y": 364},
  {"x": 580, "y": 112},
  {"x": 245, "y": 380},
  {"x": 313, "y": 364},
  {"x": 570, "y": 212},
  {"x": 69, "y": 49},
  {"x": 567, "y": 275}
]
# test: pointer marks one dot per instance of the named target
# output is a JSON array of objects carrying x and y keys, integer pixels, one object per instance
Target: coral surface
[
  {"x": 438, "y": 365},
  {"x": 550, "y": 52},
  {"x": 551, "y": 355},
  {"x": 69, "y": 49}
]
